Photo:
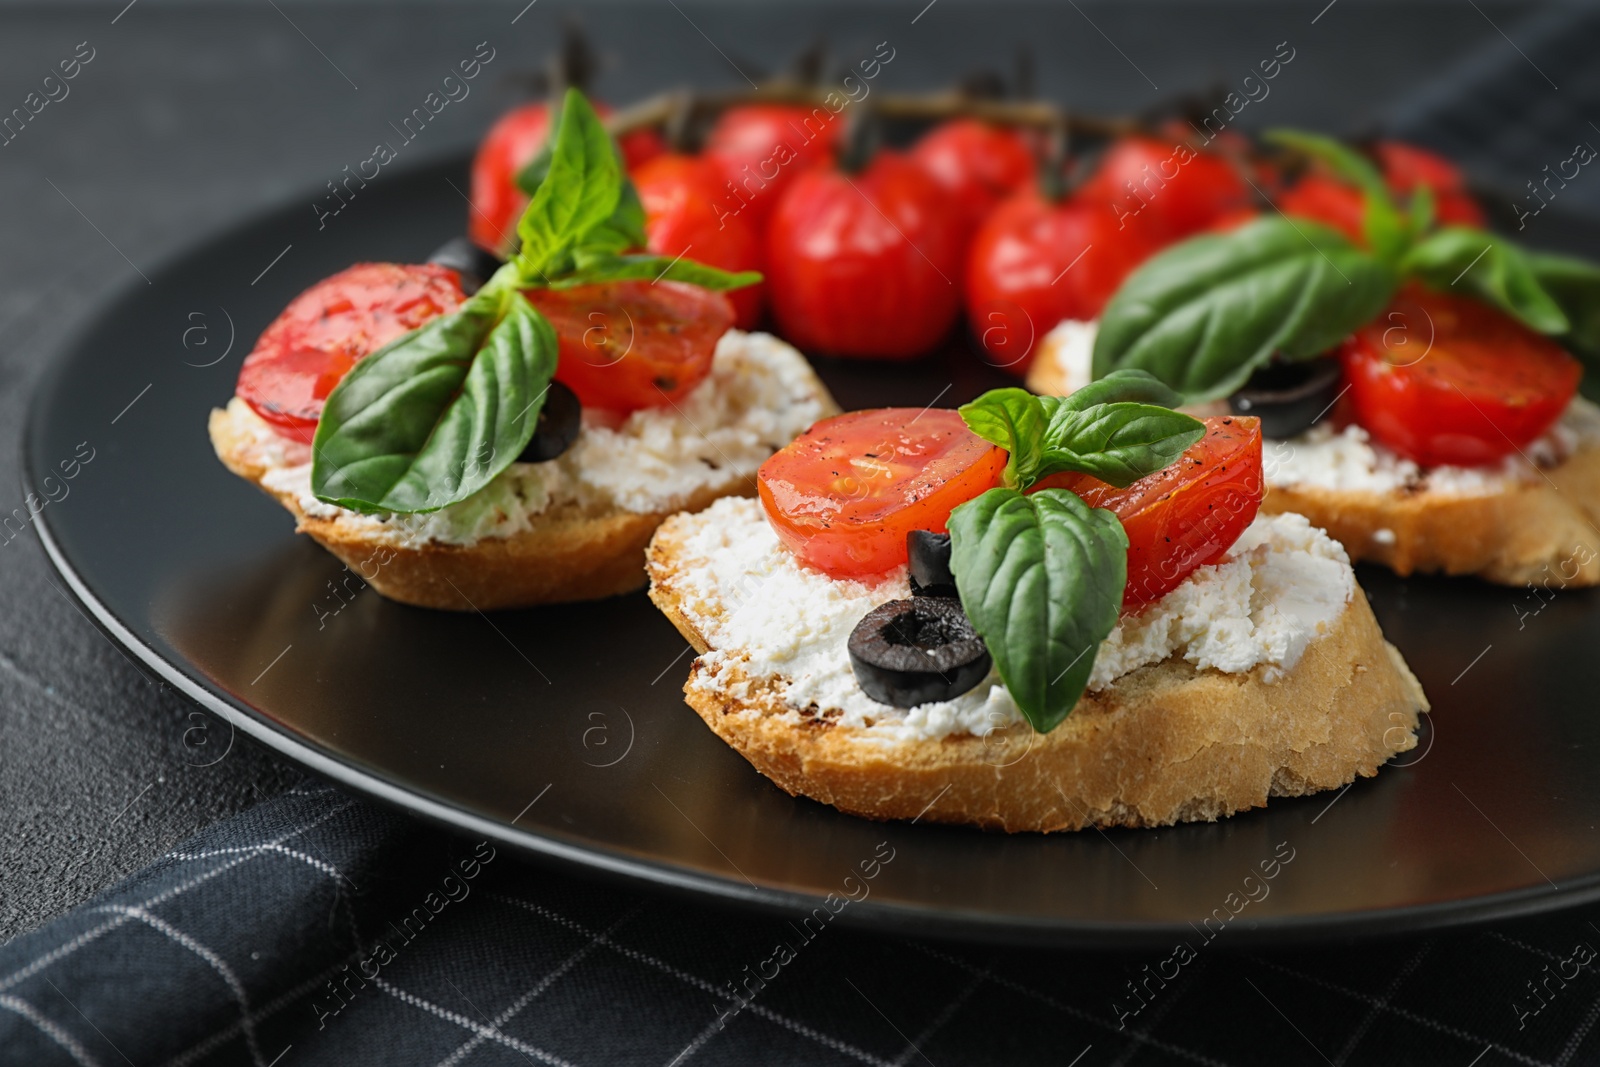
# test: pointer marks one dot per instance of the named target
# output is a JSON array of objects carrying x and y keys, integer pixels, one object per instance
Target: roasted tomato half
[
  {"x": 844, "y": 495},
  {"x": 632, "y": 345},
  {"x": 1447, "y": 379},
  {"x": 323, "y": 332},
  {"x": 1186, "y": 516}
]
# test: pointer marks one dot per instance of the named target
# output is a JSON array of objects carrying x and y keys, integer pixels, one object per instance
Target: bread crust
[
  {"x": 1542, "y": 531},
  {"x": 1545, "y": 531},
  {"x": 1167, "y": 743},
  {"x": 570, "y": 553}
]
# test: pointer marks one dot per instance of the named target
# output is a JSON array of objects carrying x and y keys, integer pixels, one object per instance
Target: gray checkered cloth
[{"x": 316, "y": 929}]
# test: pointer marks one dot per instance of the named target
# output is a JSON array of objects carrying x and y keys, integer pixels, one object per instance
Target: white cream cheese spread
[
  {"x": 765, "y": 613},
  {"x": 760, "y": 394}
]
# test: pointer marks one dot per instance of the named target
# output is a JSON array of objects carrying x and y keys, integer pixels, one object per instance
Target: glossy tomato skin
[
  {"x": 680, "y": 194},
  {"x": 325, "y": 330},
  {"x": 1187, "y": 515},
  {"x": 844, "y": 494},
  {"x": 1024, "y": 273},
  {"x": 632, "y": 345},
  {"x": 1406, "y": 166},
  {"x": 514, "y": 139},
  {"x": 1445, "y": 379},
  {"x": 761, "y": 148},
  {"x": 1167, "y": 187},
  {"x": 865, "y": 265},
  {"x": 980, "y": 164}
]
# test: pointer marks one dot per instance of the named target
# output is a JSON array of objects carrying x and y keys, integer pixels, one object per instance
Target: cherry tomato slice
[
  {"x": 1446, "y": 379},
  {"x": 632, "y": 345},
  {"x": 685, "y": 215},
  {"x": 844, "y": 494},
  {"x": 1187, "y": 515},
  {"x": 315, "y": 341}
]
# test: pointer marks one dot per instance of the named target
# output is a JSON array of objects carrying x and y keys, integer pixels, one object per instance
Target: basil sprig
[
  {"x": 1203, "y": 315},
  {"x": 1118, "y": 429},
  {"x": 1041, "y": 577},
  {"x": 1041, "y": 574},
  {"x": 435, "y": 415}
]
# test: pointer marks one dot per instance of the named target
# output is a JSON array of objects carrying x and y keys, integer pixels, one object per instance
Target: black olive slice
[
  {"x": 559, "y": 422},
  {"x": 917, "y": 651},
  {"x": 929, "y": 553},
  {"x": 1289, "y": 398},
  {"x": 467, "y": 259}
]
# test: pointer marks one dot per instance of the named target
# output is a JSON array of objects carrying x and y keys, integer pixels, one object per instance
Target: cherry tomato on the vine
[
  {"x": 865, "y": 264},
  {"x": 1187, "y": 515},
  {"x": 1035, "y": 263},
  {"x": 761, "y": 148},
  {"x": 844, "y": 494},
  {"x": 325, "y": 330},
  {"x": 682, "y": 217},
  {"x": 1447, "y": 379},
  {"x": 1167, "y": 187},
  {"x": 635, "y": 344},
  {"x": 510, "y": 144},
  {"x": 979, "y": 163}
]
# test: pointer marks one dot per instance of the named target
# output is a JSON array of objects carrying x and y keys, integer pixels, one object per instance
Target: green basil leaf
[
  {"x": 1118, "y": 443},
  {"x": 1135, "y": 386},
  {"x": 1015, "y": 420},
  {"x": 624, "y": 230},
  {"x": 1385, "y": 231},
  {"x": 1489, "y": 267},
  {"x": 580, "y": 190},
  {"x": 1574, "y": 284},
  {"x": 593, "y": 268},
  {"x": 1205, "y": 313},
  {"x": 432, "y": 417},
  {"x": 1041, "y": 577},
  {"x": 1424, "y": 210}
]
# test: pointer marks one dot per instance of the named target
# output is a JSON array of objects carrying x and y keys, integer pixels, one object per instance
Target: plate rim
[{"x": 640, "y": 872}]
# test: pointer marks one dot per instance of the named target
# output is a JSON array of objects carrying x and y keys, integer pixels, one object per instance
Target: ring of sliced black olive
[
  {"x": 474, "y": 264},
  {"x": 918, "y": 651},
  {"x": 559, "y": 422},
  {"x": 1289, "y": 398},
  {"x": 929, "y": 556}
]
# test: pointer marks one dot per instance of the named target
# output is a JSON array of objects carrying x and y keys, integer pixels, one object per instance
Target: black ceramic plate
[{"x": 562, "y": 732}]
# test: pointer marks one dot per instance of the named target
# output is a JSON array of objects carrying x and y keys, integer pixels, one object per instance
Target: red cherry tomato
[
  {"x": 1168, "y": 187},
  {"x": 1445, "y": 379},
  {"x": 315, "y": 341},
  {"x": 680, "y": 195},
  {"x": 980, "y": 164},
  {"x": 762, "y": 147},
  {"x": 865, "y": 264},
  {"x": 497, "y": 202},
  {"x": 844, "y": 494},
  {"x": 1187, "y": 515},
  {"x": 1328, "y": 201},
  {"x": 1406, "y": 166},
  {"x": 1035, "y": 263},
  {"x": 632, "y": 345}
]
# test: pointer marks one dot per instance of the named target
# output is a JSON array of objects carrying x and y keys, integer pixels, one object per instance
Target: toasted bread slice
[
  {"x": 1166, "y": 742},
  {"x": 1534, "y": 519},
  {"x": 585, "y": 542}
]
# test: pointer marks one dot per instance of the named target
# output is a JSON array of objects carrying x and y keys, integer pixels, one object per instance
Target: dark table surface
[{"x": 192, "y": 115}]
